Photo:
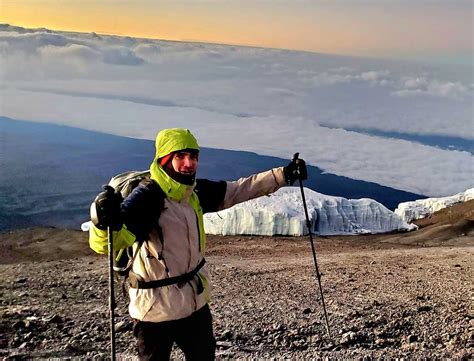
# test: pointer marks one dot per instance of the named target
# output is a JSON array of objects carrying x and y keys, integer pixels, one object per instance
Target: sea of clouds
[{"x": 273, "y": 102}]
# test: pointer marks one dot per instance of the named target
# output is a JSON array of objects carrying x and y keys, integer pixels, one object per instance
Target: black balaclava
[{"x": 187, "y": 179}]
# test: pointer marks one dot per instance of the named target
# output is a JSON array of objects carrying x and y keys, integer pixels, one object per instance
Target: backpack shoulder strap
[
  {"x": 159, "y": 197},
  {"x": 140, "y": 211}
]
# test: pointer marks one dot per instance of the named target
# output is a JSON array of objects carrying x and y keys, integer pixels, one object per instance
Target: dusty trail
[{"x": 383, "y": 299}]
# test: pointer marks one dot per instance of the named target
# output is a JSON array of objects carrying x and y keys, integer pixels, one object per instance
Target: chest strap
[{"x": 134, "y": 282}]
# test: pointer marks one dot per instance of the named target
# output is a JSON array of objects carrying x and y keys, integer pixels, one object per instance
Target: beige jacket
[{"x": 181, "y": 253}]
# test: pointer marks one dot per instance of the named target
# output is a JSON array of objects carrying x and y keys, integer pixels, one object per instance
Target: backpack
[{"x": 125, "y": 183}]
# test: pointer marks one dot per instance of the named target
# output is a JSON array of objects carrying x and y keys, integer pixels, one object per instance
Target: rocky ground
[{"x": 387, "y": 296}]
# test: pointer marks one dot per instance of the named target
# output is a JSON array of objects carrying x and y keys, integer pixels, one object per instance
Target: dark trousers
[{"x": 193, "y": 335}]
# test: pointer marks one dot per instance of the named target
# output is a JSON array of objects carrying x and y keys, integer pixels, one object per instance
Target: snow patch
[
  {"x": 422, "y": 208},
  {"x": 282, "y": 213}
]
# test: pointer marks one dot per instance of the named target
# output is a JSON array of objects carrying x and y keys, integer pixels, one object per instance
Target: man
[{"x": 169, "y": 287}]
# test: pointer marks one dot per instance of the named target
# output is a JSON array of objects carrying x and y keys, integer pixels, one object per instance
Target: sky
[
  {"x": 404, "y": 125},
  {"x": 427, "y": 30}
]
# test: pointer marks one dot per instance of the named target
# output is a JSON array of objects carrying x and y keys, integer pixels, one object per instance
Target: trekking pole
[
  {"x": 308, "y": 225},
  {"x": 111, "y": 293}
]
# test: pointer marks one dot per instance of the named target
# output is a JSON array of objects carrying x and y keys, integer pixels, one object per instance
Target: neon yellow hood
[
  {"x": 168, "y": 141},
  {"x": 174, "y": 139}
]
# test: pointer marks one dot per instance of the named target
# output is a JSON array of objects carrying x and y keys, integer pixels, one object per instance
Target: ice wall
[
  {"x": 282, "y": 214},
  {"x": 422, "y": 208}
]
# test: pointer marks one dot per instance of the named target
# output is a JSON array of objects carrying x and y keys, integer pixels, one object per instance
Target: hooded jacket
[{"x": 183, "y": 241}]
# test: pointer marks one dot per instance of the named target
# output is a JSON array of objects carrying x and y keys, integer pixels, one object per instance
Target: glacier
[
  {"x": 422, "y": 208},
  {"x": 282, "y": 213}
]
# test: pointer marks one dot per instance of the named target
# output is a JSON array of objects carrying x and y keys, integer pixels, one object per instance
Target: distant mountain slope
[
  {"x": 50, "y": 173},
  {"x": 458, "y": 214},
  {"x": 422, "y": 208},
  {"x": 449, "y": 226}
]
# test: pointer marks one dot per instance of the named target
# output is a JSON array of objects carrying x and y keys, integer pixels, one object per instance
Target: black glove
[
  {"x": 296, "y": 169},
  {"x": 105, "y": 211}
]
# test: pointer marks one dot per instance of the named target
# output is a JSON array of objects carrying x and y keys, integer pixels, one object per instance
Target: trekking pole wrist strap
[{"x": 134, "y": 282}]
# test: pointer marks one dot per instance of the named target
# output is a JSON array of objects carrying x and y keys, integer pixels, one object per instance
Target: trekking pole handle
[{"x": 296, "y": 159}]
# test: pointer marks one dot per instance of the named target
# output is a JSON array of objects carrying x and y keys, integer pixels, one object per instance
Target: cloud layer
[{"x": 273, "y": 102}]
